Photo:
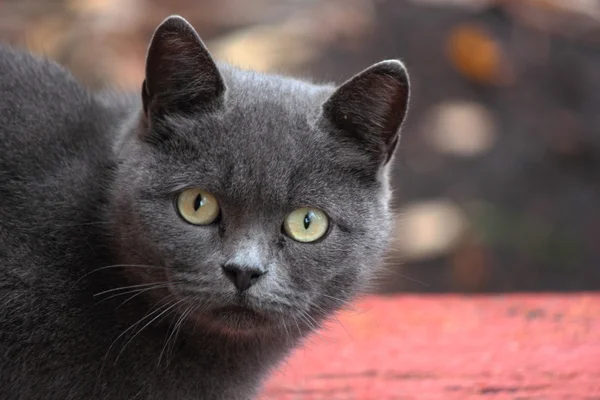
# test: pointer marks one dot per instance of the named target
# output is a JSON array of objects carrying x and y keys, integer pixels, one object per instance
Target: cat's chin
[{"x": 236, "y": 321}]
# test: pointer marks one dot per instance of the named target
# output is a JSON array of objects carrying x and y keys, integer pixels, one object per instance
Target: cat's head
[{"x": 264, "y": 198}]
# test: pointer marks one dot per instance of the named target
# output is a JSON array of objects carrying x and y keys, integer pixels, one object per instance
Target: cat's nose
[{"x": 242, "y": 276}]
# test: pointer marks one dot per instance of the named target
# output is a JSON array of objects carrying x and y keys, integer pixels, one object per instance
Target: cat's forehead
[
  {"x": 259, "y": 92},
  {"x": 263, "y": 116}
]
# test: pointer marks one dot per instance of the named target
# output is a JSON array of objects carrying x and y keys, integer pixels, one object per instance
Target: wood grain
[{"x": 451, "y": 347}]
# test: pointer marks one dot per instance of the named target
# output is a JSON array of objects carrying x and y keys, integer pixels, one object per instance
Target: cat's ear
[
  {"x": 181, "y": 75},
  {"x": 370, "y": 107}
]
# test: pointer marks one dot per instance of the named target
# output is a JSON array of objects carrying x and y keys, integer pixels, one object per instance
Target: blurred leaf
[
  {"x": 428, "y": 229},
  {"x": 476, "y": 55}
]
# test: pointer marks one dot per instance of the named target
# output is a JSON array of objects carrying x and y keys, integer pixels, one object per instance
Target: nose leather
[{"x": 242, "y": 276}]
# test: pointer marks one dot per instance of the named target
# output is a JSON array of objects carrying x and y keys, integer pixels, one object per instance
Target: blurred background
[{"x": 497, "y": 181}]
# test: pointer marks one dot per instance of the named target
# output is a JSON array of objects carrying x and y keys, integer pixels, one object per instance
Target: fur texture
[{"x": 107, "y": 293}]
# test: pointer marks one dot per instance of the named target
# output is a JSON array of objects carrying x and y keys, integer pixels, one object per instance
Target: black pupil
[
  {"x": 307, "y": 219},
  {"x": 199, "y": 202}
]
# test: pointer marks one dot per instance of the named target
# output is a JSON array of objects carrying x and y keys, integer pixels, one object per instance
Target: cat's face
[{"x": 265, "y": 198}]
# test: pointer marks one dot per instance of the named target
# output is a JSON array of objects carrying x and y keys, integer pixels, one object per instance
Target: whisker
[
  {"x": 340, "y": 301},
  {"x": 136, "y": 292},
  {"x": 170, "y": 333},
  {"x": 288, "y": 333},
  {"x": 169, "y": 308},
  {"x": 117, "y": 266},
  {"x": 145, "y": 290},
  {"x": 174, "y": 333},
  {"x": 334, "y": 316},
  {"x": 141, "y": 285},
  {"x": 305, "y": 321},
  {"x": 147, "y": 315},
  {"x": 343, "y": 327},
  {"x": 314, "y": 324},
  {"x": 192, "y": 310},
  {"x": 401, "y": 275},
  {"x": 297, "y": 327}
]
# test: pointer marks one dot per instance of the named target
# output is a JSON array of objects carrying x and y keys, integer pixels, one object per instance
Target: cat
[{"x": 178, "y": 243}]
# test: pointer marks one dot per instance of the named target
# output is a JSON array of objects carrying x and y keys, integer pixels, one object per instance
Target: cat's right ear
[{"x": 181, "y": 75}]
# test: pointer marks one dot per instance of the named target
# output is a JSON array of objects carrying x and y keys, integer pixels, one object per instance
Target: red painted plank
[{"x": 451, "y": 347}]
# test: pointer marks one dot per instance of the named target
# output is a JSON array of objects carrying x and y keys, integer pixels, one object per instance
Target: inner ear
[
  {"x": 181, "y": 75},
  {"x": 370, "y": 107}
]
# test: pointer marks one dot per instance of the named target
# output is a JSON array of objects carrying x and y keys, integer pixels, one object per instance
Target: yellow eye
[
  {"x": 306, "y": 224},
  {"x": 198, "y": 207}
]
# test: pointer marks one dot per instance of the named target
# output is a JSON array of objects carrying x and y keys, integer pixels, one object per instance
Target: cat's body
[{"x": 86, "y": 208}]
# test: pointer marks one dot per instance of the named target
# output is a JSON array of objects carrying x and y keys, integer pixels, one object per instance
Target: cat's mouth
[{"x": 238, "y": 318}]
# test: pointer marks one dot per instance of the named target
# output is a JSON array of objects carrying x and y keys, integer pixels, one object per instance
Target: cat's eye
[
  {"x": 198, "y": 207},
  {"x": 306, "y": 224}
]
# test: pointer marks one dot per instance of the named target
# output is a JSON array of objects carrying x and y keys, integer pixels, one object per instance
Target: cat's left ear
[
  {"x": 181, "y": 75},
  {"x": 370, "y": 107}
]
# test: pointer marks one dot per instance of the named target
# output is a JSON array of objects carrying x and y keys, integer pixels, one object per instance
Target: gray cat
[{"x": 179, "y": 244}]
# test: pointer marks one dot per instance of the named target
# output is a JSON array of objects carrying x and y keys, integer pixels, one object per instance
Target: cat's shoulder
[
  {"x": 38, "y": 95},
  {"x": 51, "y": 126},
  {"x": 27, "y": 75},
  {"x": 42, "y": 105}
]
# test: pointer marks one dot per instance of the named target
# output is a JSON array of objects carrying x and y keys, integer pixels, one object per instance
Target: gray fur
[{"x": 87, "y": 188}]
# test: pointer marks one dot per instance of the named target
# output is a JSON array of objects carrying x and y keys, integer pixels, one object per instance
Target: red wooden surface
[{"x": 451, "y": 347}]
